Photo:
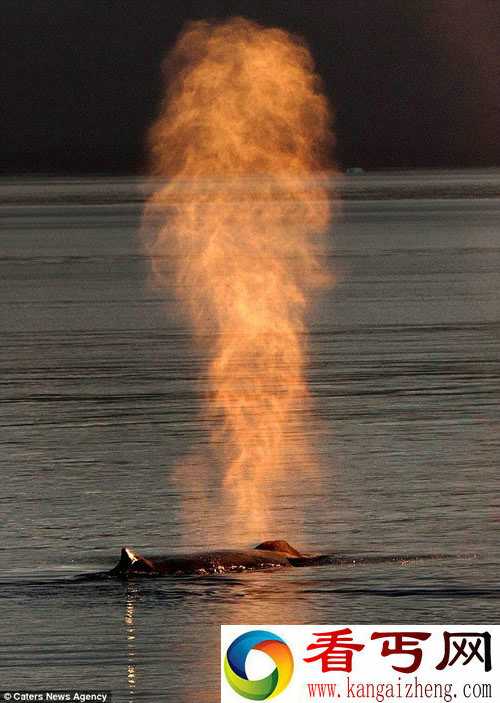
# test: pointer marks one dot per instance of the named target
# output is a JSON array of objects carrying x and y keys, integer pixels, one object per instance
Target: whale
[{"x": 271, "y": 554}]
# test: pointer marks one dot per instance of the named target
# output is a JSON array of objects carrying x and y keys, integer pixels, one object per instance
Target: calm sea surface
[{"x": 99, "y": 400}]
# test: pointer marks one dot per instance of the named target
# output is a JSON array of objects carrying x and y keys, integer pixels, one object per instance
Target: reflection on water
[
  {"x": 131, "y": 595},
  {"x": 99, "y": 400}
]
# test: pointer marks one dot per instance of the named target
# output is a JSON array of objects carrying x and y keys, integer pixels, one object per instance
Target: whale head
[{"x": 279, "y": 545}]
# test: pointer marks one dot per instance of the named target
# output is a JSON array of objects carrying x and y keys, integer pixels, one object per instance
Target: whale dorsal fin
[
  {"x": 279, "y": 545},
  {"x": 130, "y": 561}
]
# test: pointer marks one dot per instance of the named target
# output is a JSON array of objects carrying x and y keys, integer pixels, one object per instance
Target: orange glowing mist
[{"x": 242, "y": 142}]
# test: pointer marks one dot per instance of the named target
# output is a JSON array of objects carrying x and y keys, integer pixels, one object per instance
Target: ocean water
[{"x": 99, "y": 400}]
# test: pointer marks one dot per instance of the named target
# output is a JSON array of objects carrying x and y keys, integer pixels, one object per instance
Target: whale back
[
  {"x": 279, "y": 545},
  {"x": 269, "y": 554}
]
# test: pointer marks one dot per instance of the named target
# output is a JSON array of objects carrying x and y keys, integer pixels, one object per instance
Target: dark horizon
[{"x": 410, "y": 86}]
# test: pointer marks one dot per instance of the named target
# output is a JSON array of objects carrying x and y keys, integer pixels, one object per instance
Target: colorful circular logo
[{"x": 274, "y": 647}]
